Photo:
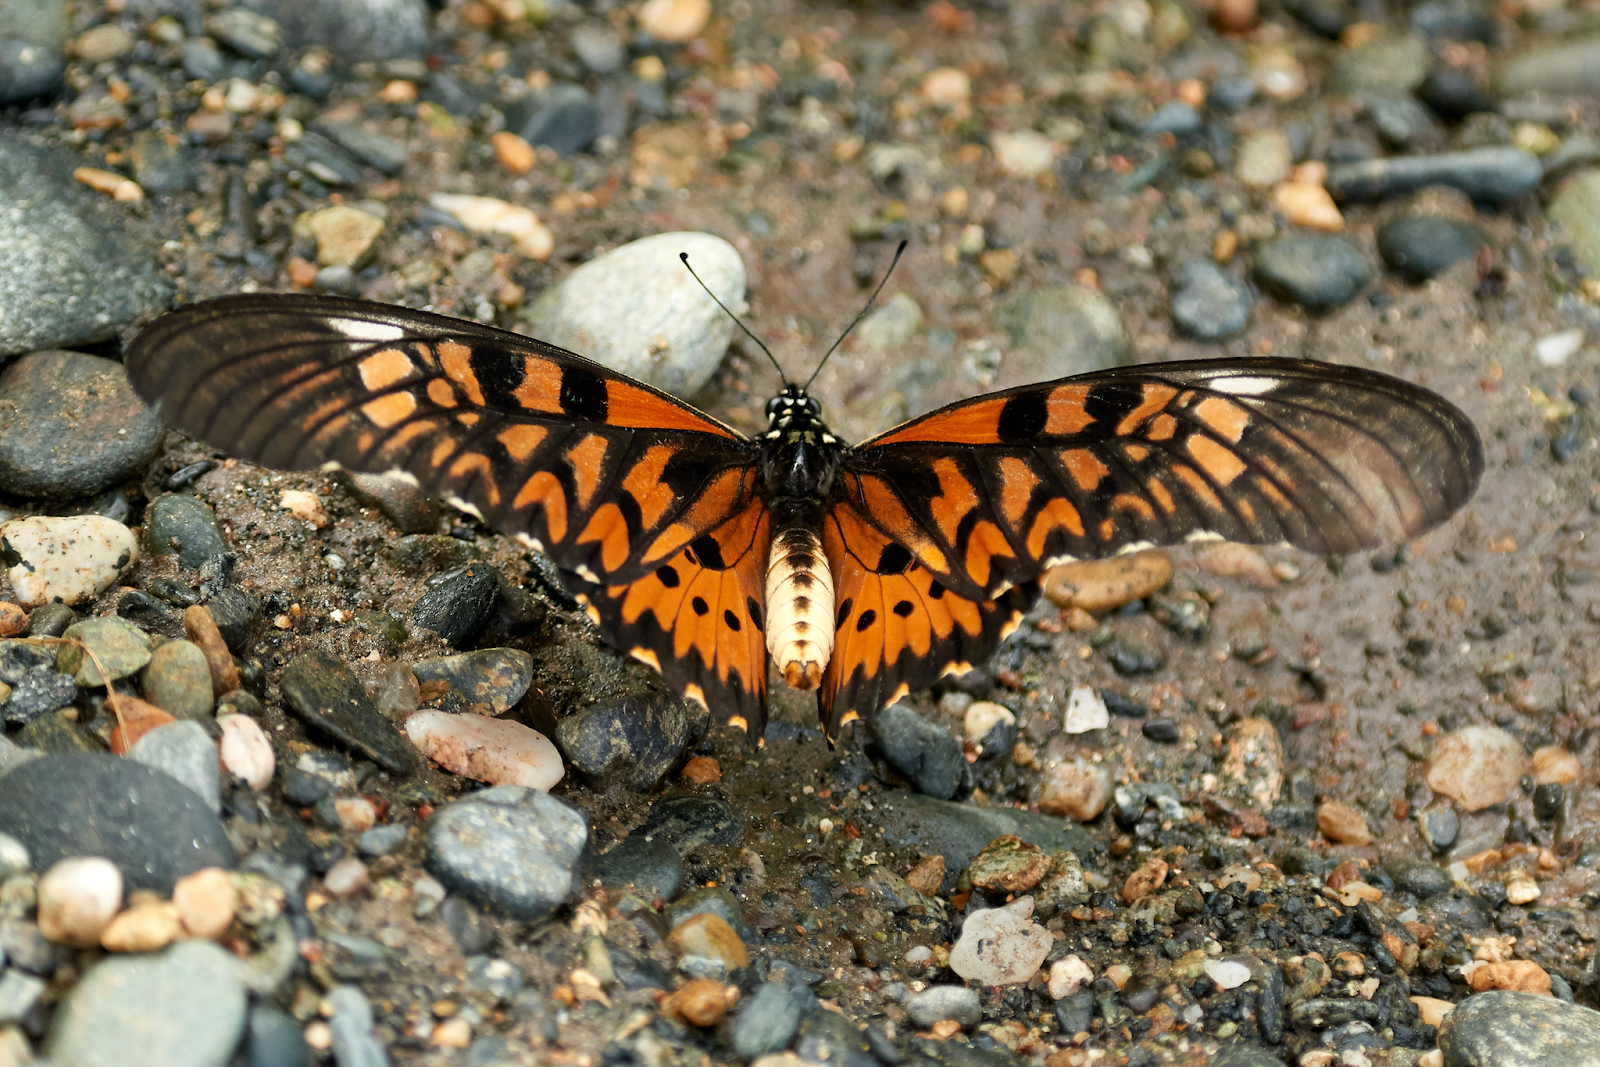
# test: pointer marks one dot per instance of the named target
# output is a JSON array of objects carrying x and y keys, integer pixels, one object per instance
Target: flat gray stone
[
  {"x": 185, "y": 752},
  {"x": 1500, "y": 1028},
  {"x": 510, "y": 848},
  {"x": 324, "y": 692}
]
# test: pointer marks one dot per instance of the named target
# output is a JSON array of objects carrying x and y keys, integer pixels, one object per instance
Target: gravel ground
[{"x": 1256, "y": 809}]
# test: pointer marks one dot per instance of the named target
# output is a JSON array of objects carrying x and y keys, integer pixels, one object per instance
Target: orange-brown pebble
[
  {"x": 206, "y": 901},
  {"x": 1224, "y": 247},
  {"x": 701, "y": 1002},
  {"x": 702, "y": 770},
  {"x": 1342, "y": 875},
  {"x": 398, "y": 91},
  {"x": 1551, "y": 764},
  {"x": 145, "y": 927},
  {"x": 1308, "y": 205},
  {"x": 1229, "y": 559},
  {"x": 514, "y": 154},
  {"x": 1349, "y": 965},
  {"x": 1234, "y": 16},
  {"x": 1342, "y": 823},
  {"x": 13, "y": 620},
  {"x": 302, "y": 272},
  {"x": 1146, "y": 880},
  {"x": 1103, "y": 584},
  {"x": 1523, "y": 976},
  {"x": 135, "y": 718},
  {"x": 1432, "y": 1010},
  {"x": 201, "y": 628},
  {"x": 948, "y": 17},
  {"x": 709, "y": 935},
  {"x": 453, "y": 1033},
  {"x": 927, "y": 876}
]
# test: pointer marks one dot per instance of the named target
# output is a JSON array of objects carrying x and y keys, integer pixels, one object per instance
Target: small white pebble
[
  {"x": 356, "y": 813},
  {"x": 497, "y": 751},
  {"x": 319, "y": 1035},
  {"x": 919, "y": 954},
  {"x": 1228, "y": 974},
  {"x": 1555, "y": 349},
  {"x": 1067, "y": 975},
  {"x": 825, "y": 825},
  {"x": 78, "y": 898},
  {"x": 1085, "y": 711},
  {"x": 245, "y": 750},
  {"x": 347, "y": 877}
]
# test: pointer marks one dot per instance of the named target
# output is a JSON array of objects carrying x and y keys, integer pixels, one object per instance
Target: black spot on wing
[
  {"x": 904, "y": 609},
  {"x": 1023, "y": 416},
  {"x": 844, "y": 612},
  {"x": 754, "y": 609},
  {"x": 667, "y": 576},
  {"x": 700, "y": 606},
  {"x": 864, "y": 623},
  {"x": 935, "y": 589},
  {"x": 1109, "y": 402},
  {"x": 733, "y": 621},
  {"x": 498, "y": 376},
  {"x": 583, "y": 394},
  {"x": 894, "y": 560},
  {"x": 708, "y": 552}
]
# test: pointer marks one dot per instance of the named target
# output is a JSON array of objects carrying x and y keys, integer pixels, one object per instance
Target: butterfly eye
[
  {"x": 772, "y": 407},
  {"x": 813, "y": 407}
]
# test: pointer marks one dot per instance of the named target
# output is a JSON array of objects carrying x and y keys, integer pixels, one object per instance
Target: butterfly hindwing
[{"x": 611, "y": 479}]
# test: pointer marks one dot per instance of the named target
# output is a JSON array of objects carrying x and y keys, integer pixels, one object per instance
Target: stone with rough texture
[
  {"x": 634, "y": 738},
  {"x": 322, "y": 690},
  {"x": 354, "y": 30},
  {"x": 1077, "y": 788},
  {"x": 75, "y": 271},
  {"x": 511, "y": 848},
  {"x": 1477, "y": 766},
  {"x": 493, "y": 677},
  {"x": 922, "y": 750},
  {"x": 638, "y": 311},
  {"x": 1317, "y": 271},
  {"x": 1001, "y": 946},
  {"x": 106, "y": 644},
  {"x": 497, "y": 751},
  {"x": 958, "y": 832},
  {"x": 73, "y": 426},
  {"x": 1208, "y": 303},
  {"x": 1500, "y": 1028},
  {"x": 64, "y": 560}
]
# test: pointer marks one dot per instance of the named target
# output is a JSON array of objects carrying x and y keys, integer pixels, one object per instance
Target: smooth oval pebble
[
  {"x": 1228, "y": 974},
  {"x": 65, "y": 560},
  {"x": 347, "y": 877},
  {"x": 983, "y": 716},
  {"x": 147, "y": 926},
  {"x": 1477, "y": 766},
  {"x": 1076, "y": 788},
  {"x": 246, "y": 750},
  {"x": 1342, "y": 823},
  {"x": 78, "y": 898},
  {"x": 108, "y": 642},
  {"x": 638, "y": 311},
  {"x": 206, "y": 901},
  {"x": 1001, "y": 946},
  {"x": 702, "y": 1002},
  {"x": 1103, "y": 584},
  {"x": 709, "y": 935},
  {"x": 1554, "y": 764},
  {"x": 674, "y": 21},
  {"x": 497, "y": 751}
]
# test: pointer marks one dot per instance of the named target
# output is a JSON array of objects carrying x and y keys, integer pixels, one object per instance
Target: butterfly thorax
[{"x": 799, "y": 458}]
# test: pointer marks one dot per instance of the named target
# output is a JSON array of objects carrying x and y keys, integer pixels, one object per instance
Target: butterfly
[{"x": 863, "y": 572}]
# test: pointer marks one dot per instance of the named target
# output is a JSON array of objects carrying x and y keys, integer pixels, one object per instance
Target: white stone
[
  {"x": 983, "y": 716},
  {"x": 1477, "y": 766},
  {"x": 497, "y": 751},
  {"x": 66, "y": 560},
  {"x": 1067, "y": 975},
  {"x": 304, "y": 506},
  {"x": 1000, "y": 946},
  {"x": 1555, "y": 349},
  {"x": 78, "y": 898},
  {"x": 485, "y": 214},
  {"x": 1023, "y": 153},
  {"x": 1228, "y": 974},
  {"x": 246, "y": 751},
  {"x": 1085, "y": 711},
  {"x": 638, "y": 311}
]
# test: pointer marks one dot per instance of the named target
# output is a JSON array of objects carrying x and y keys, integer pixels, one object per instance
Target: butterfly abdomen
[{"x": 800, "y": 619}]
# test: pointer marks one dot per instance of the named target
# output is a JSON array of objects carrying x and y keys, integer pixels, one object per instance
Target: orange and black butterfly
[{"x": 864, "y": 572}]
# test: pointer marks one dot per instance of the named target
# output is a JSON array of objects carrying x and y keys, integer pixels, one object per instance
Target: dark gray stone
[
  {"x": 1491, "y": 175},
  {"x": 688, "y": 822},
  {"x": 314, "y": 776},
  {"x": 185, "y": 526},
  {"x": 1422, "y": 246},
  {"x": 323, "y": 691},
  {"x": 1208, "y": 303},
  {"x": 494, "y": 677},
  {"x": 75, "y": 269},
  {"x": 1500, "y": 1028},
  {"x": 202, "y": 59},
  {"x": 1422, "y": 880},
  {"x": 1244, "y": 1056},
  {"x": 636, "y": 738},
  {"x": 1074, "y": 1014},
  {"x": 768, "y": 1021},
  {"x": 564, "y": 117},
  {"x": 325, "y": 159},
  {"x": 828, "y": 1037},
  {"x": 958, "y": 832},
  {"x": 374, "y": 149},
  {"x": 51, "y": 620},
  {"x": 275, "y": 1039},
  {"x": 1315, "y": 270},
  {"x": 1439, "y": 827},
  {"x": 1453, "y": 95},
  {"x": 37, "y": 692},
  {"x": 95, "y": 804},
  {"x": 159, "y": 167},
  {"x": 652, "y": 866},
  {"x": 923, "y": 751},
  {"x": 1174, "y": 117},
  {"x": 29, "y": 71},
  {"x": 511, "y": 848},
  {"x": 57, "y": 731},
  {"x": 457, "y": 605},
  {"x": 73, "y": 426},
  {"x": 1401, "y": 121},
  {"x": 237, "y": 613},
  {"x": 467, "y": 926}
]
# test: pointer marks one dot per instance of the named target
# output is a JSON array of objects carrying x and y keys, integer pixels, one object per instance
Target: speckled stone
[
  {"x": 1500, "y": 1028},
  {"x": 494, "y": 677},
  {"x": 184, "y": 526},
  {"x": 635, "y": 738},
  {"x": 322, "y": 690},
  {"x": 512, "y": 848},
  {"x": 64, "y": 560}
]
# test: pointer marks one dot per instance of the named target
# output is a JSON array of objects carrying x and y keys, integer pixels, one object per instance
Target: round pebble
[
  {"x": 178, "y": 680},
  {"x": 185, "y": 752},
  {"x": 674, "y": 21},
  {"x": 940, "y": 1002},
  {"x": 497, "y": 751},
  {"x": 147, "y": 926},
  {"x": 13, "y": 620},
  {"x": 1477, "y": 766},
  {"x": 246, "y": 751},
  {"x": 1000, "y": 946},
  {"x": 654, "y": 868},
  {"x": 1318, "y": 272},
  {"x": 1022, "y": 153},
  {"x": 510, "y": 847},
  {"x": 1422, "y": 246},
  {"x": 347, "y": 877},
  {"x": 181, "y": 525},
  {"x": 768, "y": 1020},
  {"x": 1208, "y": 303},
  {"x": 78, "y": 898},
  {"x": 108, "y": 644},
  {"x": 1067, "y": 975},
  {"x": 983, "y": 716},
  {"x": 922, "y": 750},
  {"x": 1076, "y": 788},
  {"x": 707, "y": 946},
  {"x": 700, "y": 1002},
  {"x": 29, "y": 71},
  {"x": 206, "y": 902},
  {"x": 65, "y": 560},
  {"x": 1342, "y": 823}
]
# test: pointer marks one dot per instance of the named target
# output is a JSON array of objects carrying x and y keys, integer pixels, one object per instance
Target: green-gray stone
[
  {"x": 1577, "y": 208},
  {"x": 118, "y": 646},
  {"x": 1064, "y": 329},
  {"x": 1391, "y": 66},
  {"x": 182, "y": 525},
  {"x": 177, "y": 680},
  {"x": 325, "y": 692}
]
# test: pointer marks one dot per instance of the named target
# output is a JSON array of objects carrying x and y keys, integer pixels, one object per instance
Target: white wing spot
[
  {"x": 529, "y": 541},
  {"x": 1245, "y": 385},
  {"x": 1203, "y": 535},
  {"x": 366, "y": 330},
  {"x": 464, "y": 505},
  {"x": 586, "y": 574},
  {"x": 1135, "y": 546}
]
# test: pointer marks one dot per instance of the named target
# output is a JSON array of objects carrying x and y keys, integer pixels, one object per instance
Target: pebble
[
  {"x": 1066, "y": 329},
  {"x": 202, "y": 630},
  {"x": 494, "y": 677},
  {"x": 184, "y": 526},
  {"x": 1491, "y": 175},
  {"x": 707, "y": 947},
  {"x": 29, "y": 71},
  {"x": 382, "y": 840},
  {"x": 77, "y": 899},
  {"x": 275, "y": 1039},
  {"x": 13, "y": 620},
  {"x": 1576, "y": 207},
  {"x": 376, "y": 150},
  {"x": 1228, "y": 974},
  {"x": 252, "y": 35},
  {"x": 13, "y": 856},
  {"x": 634, "y": 738},
  {"x": 653, "y": 868},
  {"x": 1175, "y": 117},
  {"x": 1389, "y": 66},
  {"x": 1086, "y": 711},
  {"x": 636, "y": 310},
  {"x": 598, "y": 48},
  {"x": 73, "y": 425},
  {"x": 497, "y": 751},
  {"x": 1076, "y": 788},
  {"x": 1477, "y": 766},
  {"x": 982, "y": 716},
  {"x": 1439, "y": 827},
  {"x": 74, "y": 271},
  {"x": 355, "y": 1044},
  {"x": 891, "y": 326},
  {"x": 1453, "y": 95},
  {"x": 1067, "y": 975},
  {"x": 769, "y": 1019},
  {"x": 360, "y": 30},
  {"x": 1263, "y": 159},
  {"x": 946, "y": 87},
  {"x": 1000, "y": 946},
  {"x": 1022, "y": 153},
  {"x": 1523, "y": 976},
  {"x": 108, "y": 643},
  {"x": 958, "y": 832},
  {"x": 65, "y": 560},
  {"x": 1106, "y": 584},
  {"x": 1252, "y": 760},
  {"x": 34, "y": 690},
  {"x": 485, "y": 214},
  {"x": 237, "y": 615},
  {"x": 323, "y": 691},
  {"x": 700, "y": 1002},
  {"x": 1309, "y": 205},
  {"x": 457, "y": 604},
  {"x": 206, "y": 902},
  {"x": 1553, "y": 764},
  {"x": 515, "y": 155},
  {"x": 1424, "y": 246},
  {"x": 146, "y": 926},
  {"x": 922, "y": 750},
  {"x": 96, "y": 804},
  {"x": 185, "y": 752},
  {"x": 1319, "y": 272},
  {"x": 245, "y": 750},
  {"x": 346, "y": 878},
  {"x": 1342, "y": 823},
  {"x": 936, "y": 1003},
  {"x": 182, "y": 1008},
  {"x": 1008, "y": 865},
  {"x": 1502, "y": 1027},
  {"x": 1208, "y": 303},
  {"x": 674, "y": 21},
  {"x": 50, "y": 620},
  {"x": 1565, "y": 68},
  {"x": 510, "y": 847},
  {"x": 1554, "y": 349},
  {"x": 563, "y": 116}
]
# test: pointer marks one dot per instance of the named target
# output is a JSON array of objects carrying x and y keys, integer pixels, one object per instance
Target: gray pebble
[
  {"x": 1420, "y": 879},
  {"x": 708, "y": 900},
  {"x": 177, "y": 680},
  {"x": 1208, "y": 303},
  {"x": 314, "y": 776},
  {"x": 494, "y": 677},
  {"x": 19, "y": 995},
  {"x": 184, "y": 1007},
  {"x": 955, "y": 1002},
  {"x": 185, "y": 526},
  {"x": 635, "y": 738},
  {"x": 117, "y": 646},
  {"x": 499, "y": 977},
  {"x": 159, "y": 167},
  {"x": 1401, "y": 121},
  {"x": 564, "y": 117},
  {"x": 323, "y": 691},
  {"x": 374, "y": 149},
  {"x": 1422, "y": 246},
  {"x": 597, "y": 47},
  {"x": 27, "y": 949},
  {"x": 1566, "y": 68},
  {"x": 202, "y": 59},
  {"x": 457, "y": 605},
  {"x": 29, "y": 71},
  {"x": 1499, "y": 1028},
  {"x": 958, "y": 832},
  {"x": 510, "y": 847},
  {"x": 51, "y": 620},
  {"x": 768, "y": 1021},
  {"x": 1175, "y": 117},
  {"x": 382, "y": 840},
  {"x": 1491, "y": 175},
  {"x": 1315, "y": 270},
  {"x": 922, "y": 750},
  {"x": 355, "y": 30},
  {"x": 37, "y": 692},
  {"x": 1064, "y": 329},
  {"x": 75, "y": 269},
  {"x": 467, "y": 927},
  {"x": 275, "y": 1039},
  {"x": 237, "y": 613},
  {"x": 252, "y": 35},
  {"x": 184, "y": 751},
  {"x": 1389, "y": 66},
  {"x": 354, "y": 1043},
  {"x": 651, "y": 866}
]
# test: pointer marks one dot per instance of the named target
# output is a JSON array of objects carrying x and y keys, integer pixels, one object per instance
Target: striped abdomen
[{"x": 799, "y": 608}]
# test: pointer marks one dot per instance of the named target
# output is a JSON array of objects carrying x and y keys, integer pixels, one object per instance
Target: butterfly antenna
[
  {"x": 685, "y": 257},
  {"x": 854, "y": 322}
]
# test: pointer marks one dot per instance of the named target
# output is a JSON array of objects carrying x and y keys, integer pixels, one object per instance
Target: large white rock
[
  {"x": 1000, "y": 946},
  {"x": 1477, "y": 766},
  {"x": 638, "y": 311},
  {"x": 497, "y": 751},
  {"x": 65, "y": 560}
]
